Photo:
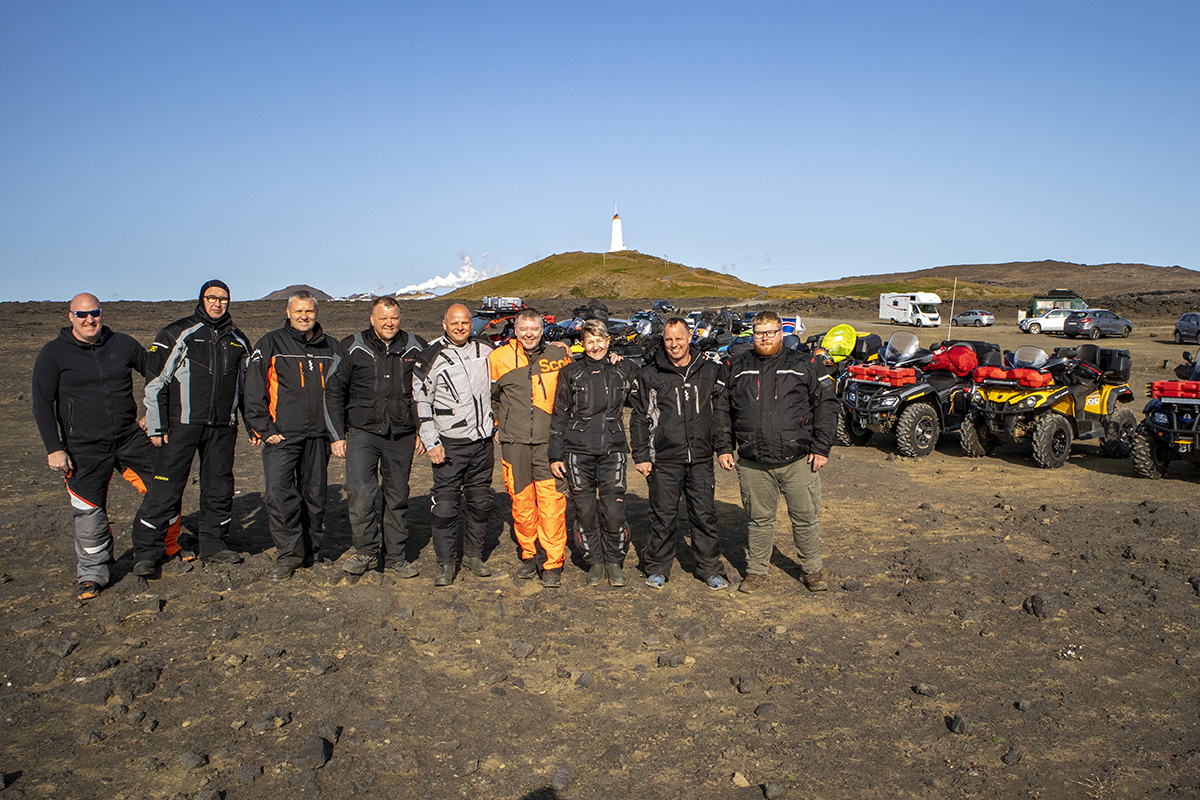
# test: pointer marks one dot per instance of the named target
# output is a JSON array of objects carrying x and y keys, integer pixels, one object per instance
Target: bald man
[
  {"x": 86, "y": 413},
  {"x": 452, "y": 386}
]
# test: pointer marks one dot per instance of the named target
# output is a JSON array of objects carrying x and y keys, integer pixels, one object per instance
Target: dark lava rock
[
  {"x": 321, "y": 665},
  {"x": 422, "y": 636},
  {"x": 132, "y": 605},
  {"x": 272, "y": 650},
  {"x": 530, "y": 605},
  {"x": 669, "y": 659},
  {"x": 925, "y": 506},
  {"x": 151, "y": 764},
  {"x": 330, "y": 733},
  {"x": 94, "y": 692},
  {"x": 691, "y": 632},
  {"x": 62, "y": 647},
  {"x": 493, "y": 676},
  {"x": 135, "y": 680},
  {"x": 1036, "y": 605},
  {"x": 613, "y": 754},
  {"x": 960, "y": 725},
  {"x": 469, "y": 624},
  {"x": 192, "y": 760},
  {"x": 108, "y": 663},
  {"x": 228, "y": 633},
  {"x": 135, "y": 717},
  {"x": 207, "y": 794},
  {"x": 521, "y": 650},
  {"x": 765, "y": 710},
  {"x": 584, "y": 680},
  {"x": 562, "y": 672},
  {"x": 211, "y": 597},
  {"x": 774, "y": 790},
  {"x": 850, "y": 585},
  {"x": 562, "y": 779},
  {"x": 926, "y": 689},
  {"x": 93, "y": 737},
  {"x": 745, "y": 685},
  {"x": 248, "y": 773},
  {"x": 314, "y": 755},
  {"x": 404, "y": 613},
  {"x": 132, "y": 584},
  {"x": 1012, "y": 756}
]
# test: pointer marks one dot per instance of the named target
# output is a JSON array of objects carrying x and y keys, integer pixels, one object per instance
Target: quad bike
[
  {"x": 1051, "y": 401},
  {"x": 1170, "y": 430},
  {"x": 842, "y": 347},
  {"x": 916, "y": 394}
]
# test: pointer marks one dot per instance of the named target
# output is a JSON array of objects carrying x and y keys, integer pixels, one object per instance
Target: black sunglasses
[{"x": 95, "y": 312}]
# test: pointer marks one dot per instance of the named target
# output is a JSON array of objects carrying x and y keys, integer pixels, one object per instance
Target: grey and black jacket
[
  {"x": 781, "y": 407},
  {"x": 199, "y": 365},
  {"x": 588, "y": 404},
  {"x": 679, "y": 416},
  {"x": 371, "y": 389},
  {"x": 452, "y": 387}
]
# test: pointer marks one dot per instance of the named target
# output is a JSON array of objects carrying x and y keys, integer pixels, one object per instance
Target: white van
[{"x": 919, "y": 309}]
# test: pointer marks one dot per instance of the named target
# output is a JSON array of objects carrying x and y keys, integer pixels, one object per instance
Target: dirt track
[{"x": 498, "y": 689}]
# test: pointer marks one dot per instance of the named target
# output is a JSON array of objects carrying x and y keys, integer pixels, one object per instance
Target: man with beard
[
  {"x": 85, "y": 410},
  {"x": 783, "y": 414},
  {"x": 374, "y": 426},
  {"x": 679, "y": 419},
  {"x": 452, "y": 385},
  {"x": 191, "y": 408},
  {"x": 285, "y": 412},
  {"x": 524, "y": 377}
]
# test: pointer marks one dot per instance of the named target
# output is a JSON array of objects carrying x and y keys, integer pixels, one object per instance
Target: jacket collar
[{"x": 67, "y": 335}]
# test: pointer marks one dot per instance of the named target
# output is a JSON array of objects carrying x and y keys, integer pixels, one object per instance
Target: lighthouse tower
[{"x": 618, "y": 242}]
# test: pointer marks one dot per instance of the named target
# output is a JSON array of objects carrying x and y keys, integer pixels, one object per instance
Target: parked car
[
  {"x": 663, "y": 307},
  {"x": 1187, "y": 328},
  {"x": 1094, "y": 323},
  {"x": 976, "y": 319},
  {"x": 1050, "y": 322}
]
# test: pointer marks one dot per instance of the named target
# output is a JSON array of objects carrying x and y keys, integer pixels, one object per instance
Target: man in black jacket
[
  {"x": 374, "y": 427},
  {"x": 285, "y": 412},
  {"x": 191, "y": 408},
  {"x": 85, "y": 411},
  {"x": 783, "y": 414},
  {"x": 679, "y": 419}
]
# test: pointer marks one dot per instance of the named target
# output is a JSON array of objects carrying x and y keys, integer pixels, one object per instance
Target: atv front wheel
[
  {"x": 1150, "y": 456},
  {"x": 917, "y": 430},
  {"x": 1117, "y": 441},
  {"x": 1051, "y": 440},
  {"x": 849, "y": 432},
  {"x": 977, "y": 441}
]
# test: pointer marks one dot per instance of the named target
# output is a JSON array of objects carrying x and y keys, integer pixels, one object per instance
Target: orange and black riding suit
[
  {"x": 523, "y": 387},
  {"x": 285, "y": 395}
]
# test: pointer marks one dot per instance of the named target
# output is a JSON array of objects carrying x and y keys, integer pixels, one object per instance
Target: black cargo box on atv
[
  {"x": 865, "y": 346},
  {"x": 1114, "y": 365}
]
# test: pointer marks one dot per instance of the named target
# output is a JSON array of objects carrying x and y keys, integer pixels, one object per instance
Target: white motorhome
[{"x": 919, "y": 309}]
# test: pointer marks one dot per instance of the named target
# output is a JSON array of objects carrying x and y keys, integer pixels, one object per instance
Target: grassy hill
[
  {"x": 608, "y": 276},
  {"x": 1013, "y": 279}
]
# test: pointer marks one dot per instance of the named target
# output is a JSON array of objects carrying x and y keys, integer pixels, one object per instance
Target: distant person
[
  {"x": 679, "y": 420},
  {"x": 191, "y": 409},
  {"x": 783, "y": 414},
  {"x": 374, "y": 427},
  {"x": 524, "y": 375},
  {"x": 285, "y": 412},
  {"x": 87, "y": 416},
  {"x": 588, "y": 448},
  {"x": 452, "y": 385}
]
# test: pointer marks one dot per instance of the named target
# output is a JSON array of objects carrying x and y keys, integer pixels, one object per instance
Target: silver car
[
  {"x": 1095, "y": 322},
  {"x": 1187, "y": 328},
  {"x": 976, "y": 319},
  {"x": 1050, "y": 322}
]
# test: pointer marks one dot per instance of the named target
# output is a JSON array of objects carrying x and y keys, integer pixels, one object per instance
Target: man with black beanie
[{"x": 191, "y": 408}]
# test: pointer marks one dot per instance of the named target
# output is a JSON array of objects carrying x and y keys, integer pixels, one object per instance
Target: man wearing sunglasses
[
  {"x": 783, "y": 414},
  {"x": 191, "y": 409},
  {"x": 86, "y": 413}
]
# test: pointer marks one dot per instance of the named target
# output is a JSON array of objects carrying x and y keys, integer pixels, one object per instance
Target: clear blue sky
[{"x": 357, "y": 146}]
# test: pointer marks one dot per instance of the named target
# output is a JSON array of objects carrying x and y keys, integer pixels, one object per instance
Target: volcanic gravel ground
[{"x": 991, "y": 630}]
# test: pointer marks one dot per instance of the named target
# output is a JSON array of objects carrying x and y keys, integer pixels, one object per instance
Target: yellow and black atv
[
  {"x": 1051, "y": 401},
  {"x": 842, "y": 347}
]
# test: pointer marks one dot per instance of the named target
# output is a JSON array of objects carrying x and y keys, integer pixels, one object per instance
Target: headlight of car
[
  {"x": 888, "y": 402},
  {"x": 1159, "y": 418}
]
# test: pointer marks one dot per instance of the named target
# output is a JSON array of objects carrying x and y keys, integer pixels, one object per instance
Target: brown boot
[
  {"x": 815, "y": 581},
  {"x": 752, "y": 584}
]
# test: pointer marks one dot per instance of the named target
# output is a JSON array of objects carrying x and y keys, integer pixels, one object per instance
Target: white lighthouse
[{"x": 618, "y": 241}]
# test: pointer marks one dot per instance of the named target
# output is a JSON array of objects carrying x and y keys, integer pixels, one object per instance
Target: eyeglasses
[
  {"x": 94, "y": 312},
  {"x": 767, "y": 334},
  {"x": 212, "y": 298}
]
